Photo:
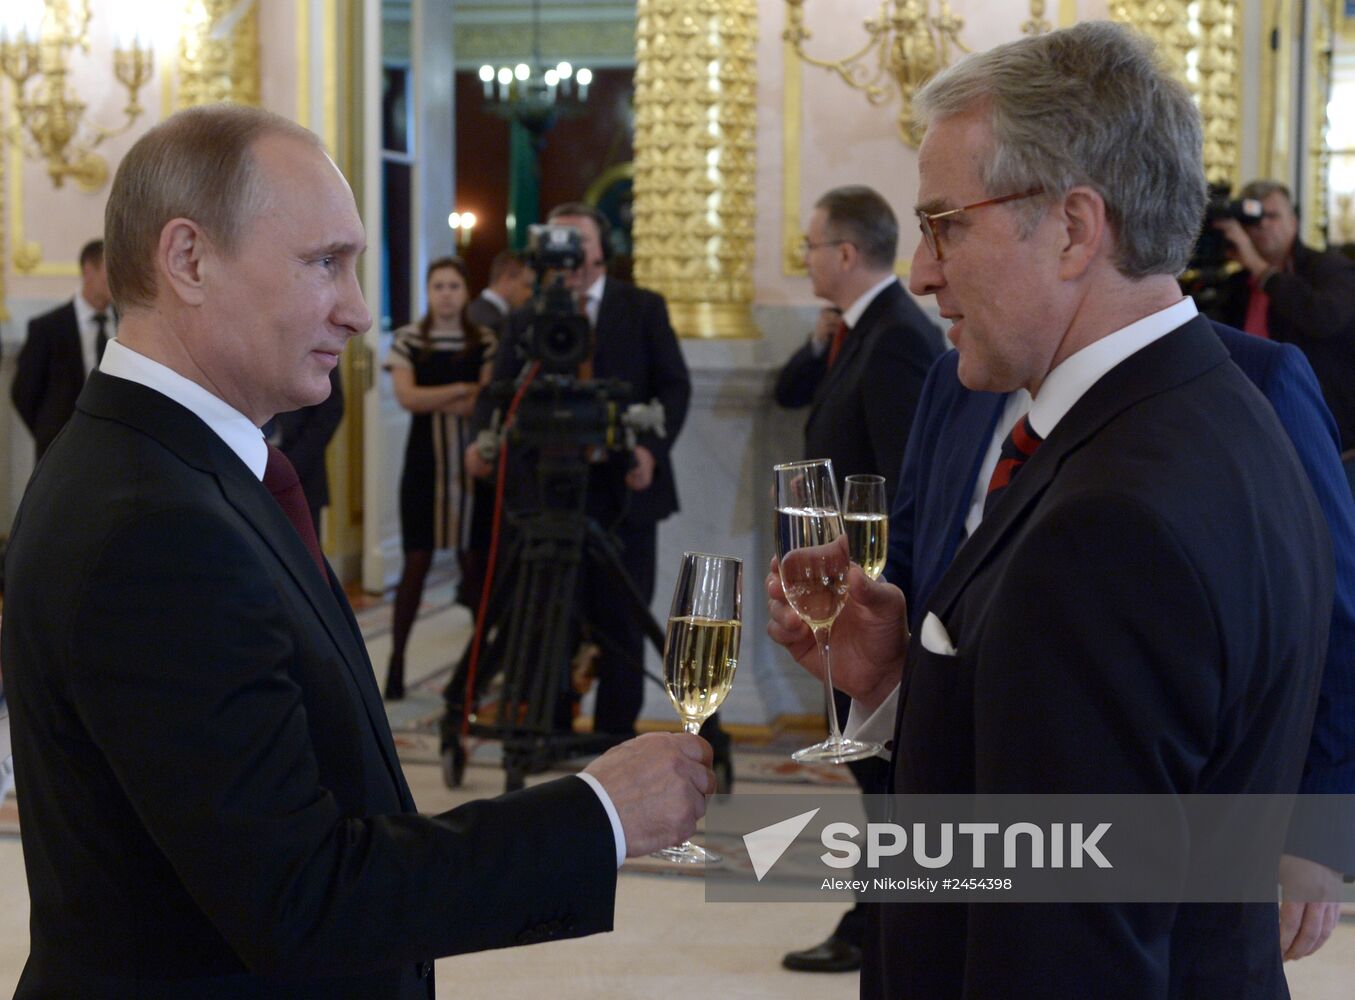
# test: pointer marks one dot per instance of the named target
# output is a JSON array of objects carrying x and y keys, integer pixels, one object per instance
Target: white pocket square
[{"x": 935, "y": 638}]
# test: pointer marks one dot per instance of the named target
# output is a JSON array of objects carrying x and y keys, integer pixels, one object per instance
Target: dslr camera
[
  {"x": 1210, "y": 266},
  {"x": 559, "y": 337}
]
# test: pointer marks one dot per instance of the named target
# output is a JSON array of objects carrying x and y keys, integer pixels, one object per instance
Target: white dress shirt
[
  {"x": 1061, "y": 390},
  {"x": 246, "y": 440},
  {"x": 853, "y": 313}
]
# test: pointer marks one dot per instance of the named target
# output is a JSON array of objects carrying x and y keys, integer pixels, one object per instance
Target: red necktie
[
  {"x": 839, "y": 335},
  {"x": 280, "y": 479},
  {"x": 1016, "y": 450}
]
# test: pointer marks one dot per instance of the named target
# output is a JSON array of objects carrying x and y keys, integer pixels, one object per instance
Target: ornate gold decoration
[
  {"x": 695, "y": 152},
  {"x": 4, "y": 313},
  {"x": 35, "y": 54},
  {"x": 219, "y": 53},
  {"x": 586, "y": 40},
  {"x": 1037, "y": 25},
  {"x": 1201, "y": 42},
  {"x": 907, "y": 48},
  {"x": 1316, "y": 165},
  {"x": 1345, "y": 219}
]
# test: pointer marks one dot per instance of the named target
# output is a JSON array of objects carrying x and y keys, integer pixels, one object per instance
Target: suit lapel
[{"x": 197, "y": 446}]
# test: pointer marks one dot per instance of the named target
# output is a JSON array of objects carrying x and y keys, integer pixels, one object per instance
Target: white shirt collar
[
  {"x": 85, "y": 313},
  {"x": 852, "y": 314},
  {"x": 1067, "y": 383},
  {"x": 497, "y": 299},
  {"x": 594, "y": 293},
  {"x": 228, "y": 423}
]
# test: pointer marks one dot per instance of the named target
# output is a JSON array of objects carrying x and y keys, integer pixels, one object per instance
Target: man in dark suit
[
  {"x": 860, "y": 374},
  {"x": 62, "y": 348},
  {"x": 201, "y": 739},
  {"x": 939, "y": 503},
  {"x": 1099, "y": 631},
  {"x": 862, "y": 369},
  {"x": 627, "y": 493},
  {"x": 303, "y": 435},
  {"x": 1290, "y": 292},
  {"x": 509, "y": 288}
]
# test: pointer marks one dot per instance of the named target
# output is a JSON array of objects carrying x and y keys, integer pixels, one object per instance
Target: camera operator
[
  {"x": 1290, "y": 292},
  {"x": 628, "y": 493}
]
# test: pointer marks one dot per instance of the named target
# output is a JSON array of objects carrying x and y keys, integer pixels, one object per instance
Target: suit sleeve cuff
[
  {"x": 617, "y": 832},
  {"x": 876, "y": 727}
]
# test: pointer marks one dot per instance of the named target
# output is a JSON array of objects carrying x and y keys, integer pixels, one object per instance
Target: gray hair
[
  {"x": 861, "y": 216},
  {"x": 196, "y": 164},
  {"x": 1089, "y": 105}
]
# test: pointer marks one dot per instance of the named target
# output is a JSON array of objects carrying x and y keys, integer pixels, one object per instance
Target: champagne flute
[
  {"x": 811, "y": 547},
  {"x": 867, "y": 523},
  {"x": 701, "y": 653}
]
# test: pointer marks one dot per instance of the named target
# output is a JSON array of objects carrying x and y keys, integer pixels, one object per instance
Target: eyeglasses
[
  {"x": 931, "y": 233},
  {"x": 806, "y": 246}
]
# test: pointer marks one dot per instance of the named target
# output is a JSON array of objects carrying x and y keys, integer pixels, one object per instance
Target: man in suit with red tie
[
  {"x": 63, "y": 346},
  {"x": 860, "y": 374},
  {"x": 202, "y": 742},
  {"x": 1143, "y": 607},
  {"x": 862, "y": 370}
]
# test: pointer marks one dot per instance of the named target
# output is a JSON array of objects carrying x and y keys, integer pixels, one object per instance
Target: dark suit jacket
[
  {"x": 1313, "y": 308},
  {"x": 1105, "y": 616},
  {"x": 50, "y": 374},
  {"x": 303, "y": 436},
  {"x": 212, "y": 802},
  {"x": 486, "y": 313},
  {"x": 861, "y": 409},
  {"x": 635, "y": 344},
  {"x": 952, "y": 432}
]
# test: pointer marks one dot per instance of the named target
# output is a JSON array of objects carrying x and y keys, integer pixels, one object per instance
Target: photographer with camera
[
  {"x": 628, "y": 493},
  {"x": 1289, "y": 292}
]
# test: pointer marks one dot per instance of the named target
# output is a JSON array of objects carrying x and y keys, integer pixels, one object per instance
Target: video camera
[
  {"x": 558, "y": 337},
  {"x": 1210, "y": 266},
  {"x": 560, "y": 413}
]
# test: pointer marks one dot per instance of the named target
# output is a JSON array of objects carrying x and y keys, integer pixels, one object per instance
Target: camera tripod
[{"x": 533, "y": 621}]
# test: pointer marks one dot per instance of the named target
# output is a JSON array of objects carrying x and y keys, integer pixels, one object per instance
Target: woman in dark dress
[{"x": 437, "y": 367}]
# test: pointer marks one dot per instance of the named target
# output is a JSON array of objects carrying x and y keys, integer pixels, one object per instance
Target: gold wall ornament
[
  {"x": 1037, "y": 25},
  {"x": 1201, "y": 42},
  {"x": 219, "y": 53},
  {"x": 695, "y": 154},
  {"x": 37, "y": 41},
  {"x": 1317, "y": 164},
  {"x": 904, "y": 49}
]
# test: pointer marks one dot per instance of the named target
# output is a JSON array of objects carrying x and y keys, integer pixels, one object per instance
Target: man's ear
[
  {"x": 180, "y": 258},
  {"x": 1084, "y": 231}
]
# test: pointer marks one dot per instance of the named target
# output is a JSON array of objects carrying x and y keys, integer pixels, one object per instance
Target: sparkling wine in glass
[
  {"x": 867, "y": 523},
  {"x": 811, "y": 546},
  {"x": 701, "y": 653}
]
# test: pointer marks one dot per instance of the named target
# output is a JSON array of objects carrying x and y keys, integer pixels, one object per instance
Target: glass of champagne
[
  {"x": 701, "y": 653},
  {"x": 867, "y": 523},
  {"x": 811, "y": 547}
]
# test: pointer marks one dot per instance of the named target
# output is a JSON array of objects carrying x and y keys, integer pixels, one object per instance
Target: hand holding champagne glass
[
  {"x": 701, "y": 653},
  {"x": 867, "y": 523},
  {"x": 811, "y": 548}
]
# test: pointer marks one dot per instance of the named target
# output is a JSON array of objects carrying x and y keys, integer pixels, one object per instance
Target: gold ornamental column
[
  {"x": 219, "y": 53},
  {"x": 695, "y": 152},
  {"x": 1201, "y": 43}
]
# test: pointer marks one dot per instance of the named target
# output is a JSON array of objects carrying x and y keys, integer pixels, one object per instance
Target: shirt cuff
[
  {"x": 617, "y": 832},
  {"x": 877, "y": 727}
]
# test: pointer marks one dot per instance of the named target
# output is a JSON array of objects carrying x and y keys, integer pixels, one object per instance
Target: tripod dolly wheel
[{"x": 453, "y": 764}]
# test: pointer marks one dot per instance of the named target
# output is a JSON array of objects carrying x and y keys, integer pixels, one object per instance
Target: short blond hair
[{"x": 196, "y": 165}]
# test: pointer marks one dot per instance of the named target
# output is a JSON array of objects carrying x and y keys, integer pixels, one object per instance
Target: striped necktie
[{"x": 1019, "y": 446}]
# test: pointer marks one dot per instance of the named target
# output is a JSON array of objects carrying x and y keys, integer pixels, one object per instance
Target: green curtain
[{"x": 524, "y": 184}]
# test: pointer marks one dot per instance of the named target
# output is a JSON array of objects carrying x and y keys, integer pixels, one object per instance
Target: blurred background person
[
  {"x": 63, "y": 346},
  {"x": 1290, "y": 292},
  {"x": 510, "y": 285},
  {"x": 437, "y": 368},
  {"x": 303, "y": 435}
]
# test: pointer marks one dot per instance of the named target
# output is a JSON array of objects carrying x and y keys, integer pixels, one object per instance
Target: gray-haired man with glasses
[{"x": 1143, "y": 606}]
